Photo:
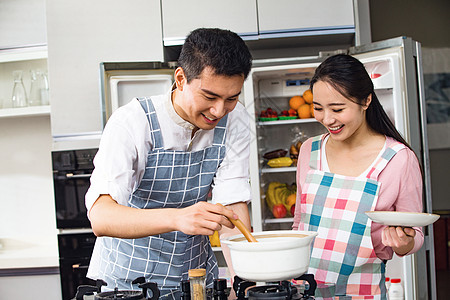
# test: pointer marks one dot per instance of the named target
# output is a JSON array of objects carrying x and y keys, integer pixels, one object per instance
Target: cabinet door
[
  {"x": 181, "y": 17},
  {"x": 22, "y": 23},
  {"x": 304, "y": 15},
  {"x": 83, "y": 33}
]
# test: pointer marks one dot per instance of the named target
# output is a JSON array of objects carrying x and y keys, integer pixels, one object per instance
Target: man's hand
[{"x": 203, "y": 218}]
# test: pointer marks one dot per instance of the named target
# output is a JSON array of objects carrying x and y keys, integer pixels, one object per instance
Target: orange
[
  {"x": 304, "y": 111},
  {"x": 296, "y": 101},
  {"x": 308, "y": 96},
  {"x": 312, "y": 110}
]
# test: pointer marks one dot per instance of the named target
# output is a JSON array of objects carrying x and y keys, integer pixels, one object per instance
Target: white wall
[{"x": 26, "y": 186}]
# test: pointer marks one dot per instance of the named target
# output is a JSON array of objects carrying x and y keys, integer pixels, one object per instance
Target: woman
[{"x": 361, "y": 164}]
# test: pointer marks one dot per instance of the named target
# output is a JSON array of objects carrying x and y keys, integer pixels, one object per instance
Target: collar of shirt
[{"x": 173, "y": 114}]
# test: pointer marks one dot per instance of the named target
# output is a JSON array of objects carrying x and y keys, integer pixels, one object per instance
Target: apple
[
  {"x": 293, "y": 209},
  {"x": 279, "y": 211}
]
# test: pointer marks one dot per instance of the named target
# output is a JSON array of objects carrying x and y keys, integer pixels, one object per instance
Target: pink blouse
[{"x": 401, "y": 190}]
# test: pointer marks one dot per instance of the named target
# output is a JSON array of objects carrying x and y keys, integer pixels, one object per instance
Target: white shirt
[{"x": 122, "y": 155}]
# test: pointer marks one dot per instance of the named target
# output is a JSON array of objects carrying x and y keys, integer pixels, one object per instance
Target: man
[{"x": 158, "y": 159}]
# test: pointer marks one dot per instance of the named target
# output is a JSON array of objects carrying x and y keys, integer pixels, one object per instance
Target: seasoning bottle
[
  {"x": 220, "y": 285},
  {"x": 185, "y": 290},
  {"x": 197, "y": 280},
  {"x": 396, "y": 290},
  {"x": 388, "y": 284}
]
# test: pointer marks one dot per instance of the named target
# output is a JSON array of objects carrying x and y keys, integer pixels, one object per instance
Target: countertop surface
[{"x": 28, "y": 252}]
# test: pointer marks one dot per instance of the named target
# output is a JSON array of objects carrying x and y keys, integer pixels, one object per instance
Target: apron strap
[
  {"x": 383, "y": 160},
  {"x": 314, "y": 160},
  {"x": 220, "y": 132},
  {"x": 155, "y": 130}
]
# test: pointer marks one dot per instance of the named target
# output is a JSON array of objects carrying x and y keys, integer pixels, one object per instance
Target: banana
[
  {"x": 270, "y": 193},
  {"x": 280, "y": 162}
]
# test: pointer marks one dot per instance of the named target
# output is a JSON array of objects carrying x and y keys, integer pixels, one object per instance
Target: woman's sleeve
[
  {"x": 410, "y": 196},
  {"x": 302, "y": 169},
  {"x": 401, "y": 190}
]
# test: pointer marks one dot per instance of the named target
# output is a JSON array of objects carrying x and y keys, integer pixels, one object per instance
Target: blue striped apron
[{"x": 172, "y": 179}]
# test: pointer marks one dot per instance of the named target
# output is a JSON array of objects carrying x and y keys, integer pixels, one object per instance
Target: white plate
[{"x": 402, "y": 218}]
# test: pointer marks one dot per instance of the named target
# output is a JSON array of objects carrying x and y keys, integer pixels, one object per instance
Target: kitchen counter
[{"x": 28, "y": 252}]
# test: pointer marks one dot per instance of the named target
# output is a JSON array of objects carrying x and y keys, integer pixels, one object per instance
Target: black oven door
[{"x": 75, "y": 252}]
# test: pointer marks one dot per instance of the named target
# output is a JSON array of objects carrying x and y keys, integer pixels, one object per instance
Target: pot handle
[{"x": 312, "y": 284}]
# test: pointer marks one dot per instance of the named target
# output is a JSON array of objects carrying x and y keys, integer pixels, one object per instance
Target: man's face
[{"x": 207, "y": 99}]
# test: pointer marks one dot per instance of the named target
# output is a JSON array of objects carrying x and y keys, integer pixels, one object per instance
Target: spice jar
[{"x": 197, "y": 280}]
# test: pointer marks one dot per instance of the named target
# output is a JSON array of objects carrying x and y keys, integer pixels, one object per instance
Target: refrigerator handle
[{"x": 429, "y": 241}]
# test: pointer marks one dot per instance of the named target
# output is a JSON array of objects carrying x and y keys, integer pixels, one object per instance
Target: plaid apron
[
  {"x": 172, "y": 179},
  {"x": 334, "y": 205}
]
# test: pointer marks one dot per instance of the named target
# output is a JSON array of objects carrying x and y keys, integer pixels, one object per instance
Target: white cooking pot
[{"x": 278, "y": 255}]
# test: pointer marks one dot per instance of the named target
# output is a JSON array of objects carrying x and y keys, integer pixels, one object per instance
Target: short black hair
[{"x": 222, "y": 50}]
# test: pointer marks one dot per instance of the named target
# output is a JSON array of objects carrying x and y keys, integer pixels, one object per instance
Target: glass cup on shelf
[
  {"x": 38, "y": 89},
  {"x": 35, "y": 89},
  {"x": 19, "y": 95}
]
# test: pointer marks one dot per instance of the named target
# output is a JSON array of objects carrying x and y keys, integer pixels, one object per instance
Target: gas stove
[
  {"x": 278, "y": 290},
  {"x": 244, "y": 290}
]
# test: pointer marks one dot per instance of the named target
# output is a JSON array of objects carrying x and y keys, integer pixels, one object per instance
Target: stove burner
[
  {"x": 119, "y": 294},
  {"x": 116, "y": 294},
  {"x": 283, "y": 290}
]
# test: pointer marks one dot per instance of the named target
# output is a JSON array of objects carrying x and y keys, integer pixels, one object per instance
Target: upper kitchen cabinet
[
  {"x": 22, "y": 23},
  {"x": 181, "y": 17},
  {"x": 82, "y": 34},
  {"x": 305, "y": 17}
]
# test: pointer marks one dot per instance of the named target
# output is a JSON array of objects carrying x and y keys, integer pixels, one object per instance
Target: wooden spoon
[{"x": 238, "y": 223}]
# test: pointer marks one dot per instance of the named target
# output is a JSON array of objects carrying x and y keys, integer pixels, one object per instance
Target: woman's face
[
  {"x": 342, "y": 117},
  {"x": 207, "y": 99}
]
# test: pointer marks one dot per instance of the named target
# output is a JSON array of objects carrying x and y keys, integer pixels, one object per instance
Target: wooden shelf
[{"x": 30, "y": 111}]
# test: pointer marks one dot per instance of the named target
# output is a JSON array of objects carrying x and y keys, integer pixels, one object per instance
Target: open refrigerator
[{"x": 395, "y": 68}]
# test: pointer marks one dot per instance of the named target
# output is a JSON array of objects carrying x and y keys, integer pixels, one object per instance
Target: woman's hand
[
  {"x": 203, "y": 218},
  {"x": 401, "y": 239}
]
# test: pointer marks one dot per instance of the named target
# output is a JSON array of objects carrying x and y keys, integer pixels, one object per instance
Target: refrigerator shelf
[
  {"x": 286, "y": 122},
  {"x": 278, "y": 170},
  {"x": 280, "y": 220}
]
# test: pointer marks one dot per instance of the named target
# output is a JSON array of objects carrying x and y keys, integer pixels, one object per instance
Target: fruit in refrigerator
[
  {"x": 296, "y": 101},
  {"x": 280, "y": 162},
  {"x": 279, "y": 211},
  {"x": 292, "y": 112},
  {"x": 275, "y": 154},
  {"x": 268, "y": 113},
  {"x": 271, "y": 200},
  {"x": 292, "y": 210},
  {"x": 290, "y": 200},
  {"x": 304, "y": 111},
  {"x": 308, "y": 96}
]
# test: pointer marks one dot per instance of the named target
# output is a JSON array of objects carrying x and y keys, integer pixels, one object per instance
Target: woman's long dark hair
[{"x": 349, "y": 77}]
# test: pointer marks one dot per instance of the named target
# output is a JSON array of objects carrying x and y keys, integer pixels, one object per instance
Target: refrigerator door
[
  {"x": 121, "y": 82},
  {"x": 395, "y": 66}
]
